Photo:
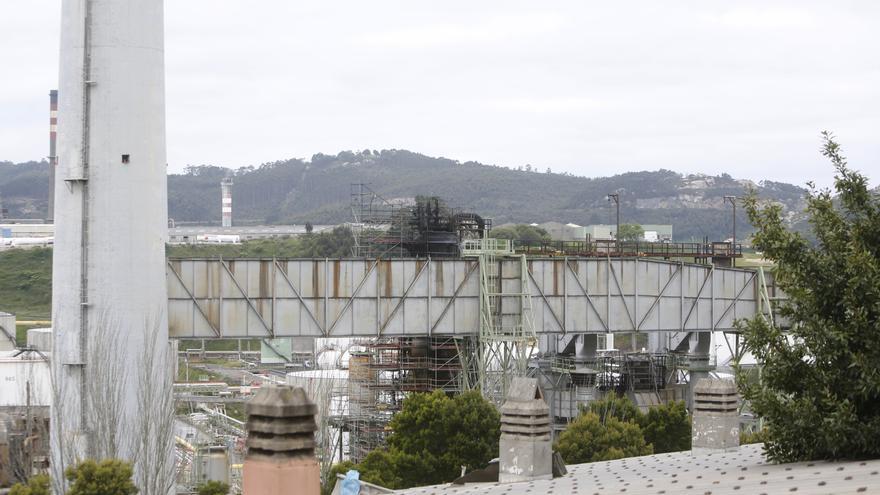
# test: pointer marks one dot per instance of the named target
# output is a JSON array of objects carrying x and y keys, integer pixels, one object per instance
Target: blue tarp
[{"x": 351, "y": 485}]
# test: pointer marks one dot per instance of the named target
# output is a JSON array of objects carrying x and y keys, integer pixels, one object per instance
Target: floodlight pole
[
  {"x": 616, "y": 198},
  {"x": 732, "y": 201}
]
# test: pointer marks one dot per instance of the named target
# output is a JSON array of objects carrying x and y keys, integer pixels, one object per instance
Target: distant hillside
[{"x": 318, "y": 191}]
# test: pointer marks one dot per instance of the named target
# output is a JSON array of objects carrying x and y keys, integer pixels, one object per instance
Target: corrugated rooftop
[{"x": 743, "y": 472}]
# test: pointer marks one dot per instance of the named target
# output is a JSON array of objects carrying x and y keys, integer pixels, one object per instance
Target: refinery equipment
[
  {"x": 419, "y": 227},
  {"x": 440, "y": 305}
]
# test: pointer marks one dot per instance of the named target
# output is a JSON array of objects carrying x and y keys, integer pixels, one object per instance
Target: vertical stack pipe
[
  {"x": 526, "y": 451},
  {"x": 53, "y": 159},
  {"x": 716, "y": 417},
  {"x": 109, "y": 295},
  {"x": 281, "y": 443},
  {"x": 226, "y": 202}
]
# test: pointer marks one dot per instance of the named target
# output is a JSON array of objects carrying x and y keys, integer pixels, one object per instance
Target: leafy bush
[
  {"x": 748, "y": 437},
  {"x": 664, "y": 428},
  {"x": 590, "y": 439},
  {"x": 36, "y": 485},
  {"x": 109, "y": 477},
  {"x": 521, "y": 232},
  {"x": 213, "y": 488},
  {"x": 619, "y": 407},
  {"x": 667, "y": 427}
]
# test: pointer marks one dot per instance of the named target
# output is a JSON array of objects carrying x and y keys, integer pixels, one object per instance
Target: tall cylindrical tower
[
  {"x": 53, "y": 159},
  {"x": 226, "y": 202},
  {"x": 111, "y": 357}
]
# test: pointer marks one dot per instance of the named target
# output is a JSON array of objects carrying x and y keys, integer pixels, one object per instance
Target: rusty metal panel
[
  {"x": 625, "y": 271},
  {"x": 235, "y": 319},
  {"x": 180, "y": 318},
  {"x": 175, "y": 287}
]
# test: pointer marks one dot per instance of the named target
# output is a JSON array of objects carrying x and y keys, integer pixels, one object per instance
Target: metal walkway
[{"x": 265, "y": 298}]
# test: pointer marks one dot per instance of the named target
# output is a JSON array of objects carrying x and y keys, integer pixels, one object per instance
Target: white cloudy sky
[{"x": 593, "y": 88}]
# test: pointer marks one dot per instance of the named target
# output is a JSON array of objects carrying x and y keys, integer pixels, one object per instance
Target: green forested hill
[{"x": 318, "y": 191}]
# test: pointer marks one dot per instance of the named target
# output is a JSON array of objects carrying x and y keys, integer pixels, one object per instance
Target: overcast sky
[{"x": 592, "y": 88}]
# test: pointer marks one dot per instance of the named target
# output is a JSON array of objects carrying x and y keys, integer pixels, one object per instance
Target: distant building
[
  {"x": 653, "y": 233},
  {"x": 176, "y": 235},
  {"x": 573, "y": 232},
  {"x": 564, "y": 231},
  {"x": 18, "y": 230}
]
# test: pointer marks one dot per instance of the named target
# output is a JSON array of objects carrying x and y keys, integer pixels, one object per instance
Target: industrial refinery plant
[
  {"x": 426, "y": 301},
  {"x": 262, "y": 372}
]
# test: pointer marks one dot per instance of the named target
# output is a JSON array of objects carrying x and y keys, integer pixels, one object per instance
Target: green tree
[
  {"x": 619, "y": 407},
  {"x": 667, "y": 427},
  {"x": 589, "y": 439},
  {"x": 520, "y": 232},
  {"x": 757, "y": 436},
  {"x": 435, "y": 435},
  {"x": 109, "y": 477},
  {"x": 461, "y": 430},
  {"x": 819, "y": 391},
  {"x": 631, "y": 232},
  {"x": 213, "y": 488},
  {"x": 36, "y": 485}
]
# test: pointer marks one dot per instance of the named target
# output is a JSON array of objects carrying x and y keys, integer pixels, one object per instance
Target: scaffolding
[
  {"x": 385, "y": 372},
  {"x": 507, "y": 336},
  {"x": 417, "y": 227},
  {"x": 373, "y": 226}
]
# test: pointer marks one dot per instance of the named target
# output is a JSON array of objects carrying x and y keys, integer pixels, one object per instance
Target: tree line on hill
[{"x": 319, "y": 191}]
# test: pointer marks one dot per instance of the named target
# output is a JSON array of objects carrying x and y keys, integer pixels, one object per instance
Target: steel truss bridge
[{"x": 269, "y": 298}]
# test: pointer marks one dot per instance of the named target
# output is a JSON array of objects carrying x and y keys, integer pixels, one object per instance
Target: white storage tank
[
  {"x": 22, "y": 375},
  {"x": 40, "y": 339}
]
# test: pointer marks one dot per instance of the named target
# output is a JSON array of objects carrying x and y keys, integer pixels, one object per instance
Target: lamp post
[
  {"x": 732, "y": 201},
  {"x": 616, "y": 198}
]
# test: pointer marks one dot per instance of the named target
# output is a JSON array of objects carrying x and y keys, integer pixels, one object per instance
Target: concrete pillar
[
  {"x": 526, "y": 449},
  {"x": 715, "y": 418},
  {"x": 281, "y": 443}
]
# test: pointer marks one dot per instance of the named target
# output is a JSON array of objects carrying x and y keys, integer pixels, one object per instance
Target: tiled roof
[{"x": 744, "y": 472}]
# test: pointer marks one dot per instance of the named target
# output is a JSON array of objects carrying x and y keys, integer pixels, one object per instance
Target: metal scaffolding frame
[
  {"x": 385, "y": 372},
  {"x": 507, "y": 335}
]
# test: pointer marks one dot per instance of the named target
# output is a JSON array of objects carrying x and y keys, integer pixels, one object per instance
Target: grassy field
[
  {"x": 754, "y": 260},
  {"x": 196, "y": 373},
  {"x": 26, "y": 286},
  {"x": 26, "y": 283}
]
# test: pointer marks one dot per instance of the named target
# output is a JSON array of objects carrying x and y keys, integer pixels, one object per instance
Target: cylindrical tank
[
  {"x": 109, "y": 295},
  {"x": 213, "y": 464}
]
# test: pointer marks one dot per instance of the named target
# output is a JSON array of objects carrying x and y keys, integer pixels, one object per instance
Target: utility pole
[
  {"x": 732, "y": 201},
  {"x": 616, "y": 198}
]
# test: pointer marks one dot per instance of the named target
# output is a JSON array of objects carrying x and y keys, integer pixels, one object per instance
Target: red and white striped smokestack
[
  {"x": 53, "y": 158},
  {"x": 226, "y": 202}
]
